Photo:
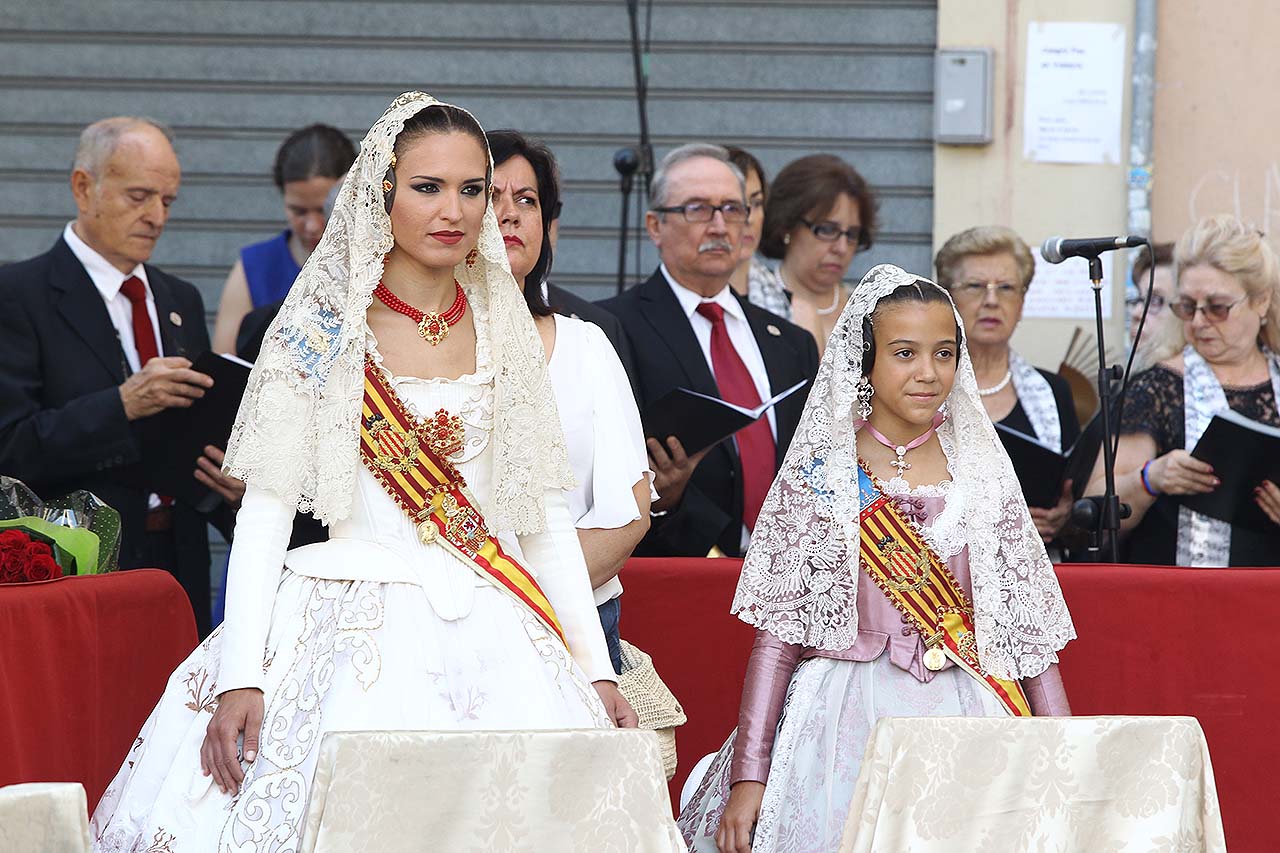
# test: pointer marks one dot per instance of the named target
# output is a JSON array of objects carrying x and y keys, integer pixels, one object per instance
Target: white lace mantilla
[
  {"x": 1203, "y": 541},
  {"x": 1036, "y": 396},
  {"x": 800, "y": 577},
  {"x": 297, "y": 433}
]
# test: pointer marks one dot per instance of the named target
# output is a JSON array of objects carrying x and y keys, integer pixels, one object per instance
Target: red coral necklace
[{"x": 433, "y": 326}]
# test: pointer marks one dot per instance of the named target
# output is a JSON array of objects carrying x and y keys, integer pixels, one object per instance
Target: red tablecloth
[
  {"x": 1152, "y": 641},
  {"x": 82, "y": 662}
]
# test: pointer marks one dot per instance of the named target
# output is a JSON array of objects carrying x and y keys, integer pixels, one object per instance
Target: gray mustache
[{"x": 712, "y": 245}]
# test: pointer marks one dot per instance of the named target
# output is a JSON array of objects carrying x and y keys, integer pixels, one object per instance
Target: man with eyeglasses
[{"x": 688, "y": 329}]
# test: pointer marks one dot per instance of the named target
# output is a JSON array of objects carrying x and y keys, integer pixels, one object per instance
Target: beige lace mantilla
[
  {"x": 297, "y": 432},
  {"x": 800, "y": 577}
]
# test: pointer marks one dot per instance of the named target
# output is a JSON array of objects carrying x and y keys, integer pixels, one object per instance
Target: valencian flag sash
[
  {"x": 894, "y": 555},
  {"x": 410, "y": 459}
]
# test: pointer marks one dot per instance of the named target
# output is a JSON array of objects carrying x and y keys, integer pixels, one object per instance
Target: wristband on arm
[{"x": 1146, "y": 481}]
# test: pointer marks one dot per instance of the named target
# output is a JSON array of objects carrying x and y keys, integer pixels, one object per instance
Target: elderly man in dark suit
[
  {"x": 687, "y": 328},
  {"x": 93, "y": 341}
]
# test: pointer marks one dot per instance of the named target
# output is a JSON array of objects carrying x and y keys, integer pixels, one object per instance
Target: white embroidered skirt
[
  {"x": 341, "y": 655},
  {"x": 830, "y": 709}
]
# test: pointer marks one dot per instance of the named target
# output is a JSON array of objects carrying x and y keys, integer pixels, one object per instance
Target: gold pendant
[
  {"x": 427, "y": 532},
  {"x": 433, "y": 328},
  {"x": 934, "y": 659}
]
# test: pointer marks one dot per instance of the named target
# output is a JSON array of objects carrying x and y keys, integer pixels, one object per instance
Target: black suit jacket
[
  {"x": 668, "y": 356},
  {"x": 62, "y": 422}
]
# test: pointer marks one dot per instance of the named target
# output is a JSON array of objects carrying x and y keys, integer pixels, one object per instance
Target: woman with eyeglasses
[
  {"x": 1157, "y": 316},
  {"x": 819, "y": 214},
  {"x": 752, "y": 277},
  {"x": 988, "y": 269},
  {"x": 1221, "y": 354}
]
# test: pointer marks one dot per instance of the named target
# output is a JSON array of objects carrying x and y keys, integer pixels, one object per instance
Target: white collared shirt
[
  {"x": 740, "y": 335},
  {"x": 108, "y": 280}
]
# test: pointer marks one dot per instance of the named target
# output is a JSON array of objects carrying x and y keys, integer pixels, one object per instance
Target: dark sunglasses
[{"x": 1214, "y": 312}]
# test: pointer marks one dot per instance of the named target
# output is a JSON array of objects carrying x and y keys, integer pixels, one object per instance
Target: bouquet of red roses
[
  {"x": 76, "y": 534},
  {"x": 24, "y": 558}
]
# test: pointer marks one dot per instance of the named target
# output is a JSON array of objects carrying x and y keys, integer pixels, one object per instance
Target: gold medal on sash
[{"x": 935, "y": 659}]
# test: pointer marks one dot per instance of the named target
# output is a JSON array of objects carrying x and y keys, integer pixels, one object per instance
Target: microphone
[{"x": 1057, "y": 249}]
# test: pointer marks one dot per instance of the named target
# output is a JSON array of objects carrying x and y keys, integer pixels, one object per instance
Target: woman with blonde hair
[{"x": 1220, "y": 354}]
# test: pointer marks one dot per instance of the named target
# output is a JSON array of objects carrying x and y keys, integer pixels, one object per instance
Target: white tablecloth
[
  {"x": 1053, "y": 784},
  {"x": 582, "y": 790},
  {"x": 44, "y": 817}
]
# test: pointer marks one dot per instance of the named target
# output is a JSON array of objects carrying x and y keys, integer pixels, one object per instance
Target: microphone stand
[
  {"x": 630, "y": 162},
  {"x": 625, "y": 162},
  {"x": 1101, "y": 515}
]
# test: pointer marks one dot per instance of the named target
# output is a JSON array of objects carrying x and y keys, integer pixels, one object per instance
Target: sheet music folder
[
  {"x": 173, "y": 440},
  {"x": 1243, "y": 453},
  {"x": 1042, "y": 470},
  {"x": 701, "y": 420}
]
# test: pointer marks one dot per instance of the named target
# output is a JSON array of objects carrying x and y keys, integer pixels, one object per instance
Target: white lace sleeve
[
  {"x": 263, "y": 527},
  {"x": 556, "y": 557}
]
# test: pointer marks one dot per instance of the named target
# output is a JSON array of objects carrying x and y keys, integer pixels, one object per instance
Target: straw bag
[{"x": 655, "y": 705}]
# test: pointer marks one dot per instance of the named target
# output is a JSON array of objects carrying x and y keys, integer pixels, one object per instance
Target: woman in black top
[
  {"x": 1217, "y": 351},
  {"x": 988, "y": 270}
]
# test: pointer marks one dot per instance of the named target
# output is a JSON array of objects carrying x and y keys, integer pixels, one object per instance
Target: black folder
[
  {"x": 700, "y": 420},
  {"x": 1243, "y": 453},
  {"x": 1042, "y": 470},
  {"x": 173, "y": 440}
]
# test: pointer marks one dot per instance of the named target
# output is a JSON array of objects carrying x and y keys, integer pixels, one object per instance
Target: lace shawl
[
  {"x": 800, "y": 577},
  {"x": 1036, "y": 396},
  {"x": 297, "y": 432}
]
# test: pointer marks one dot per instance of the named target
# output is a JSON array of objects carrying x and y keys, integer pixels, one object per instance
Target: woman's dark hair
[
  {"x": 315, "y": 151},
  {"x": 921, "y": 292},
  {"x": 1142, "y": 263},
  {"x": 747, "y": 163},
  {"x": 442, "y": 118},
  {"x": 809, "y": 187},
  {"x": 505, "y": 144}
]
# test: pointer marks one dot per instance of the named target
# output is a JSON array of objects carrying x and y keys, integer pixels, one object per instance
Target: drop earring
[{"x": 865, "y": 392}]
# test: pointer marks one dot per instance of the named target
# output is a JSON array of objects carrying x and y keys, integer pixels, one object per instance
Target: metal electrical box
[{"x": 962, "y": 104}]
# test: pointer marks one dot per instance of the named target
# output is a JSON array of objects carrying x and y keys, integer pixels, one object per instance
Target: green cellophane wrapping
[{"x": 79, "y": 523}]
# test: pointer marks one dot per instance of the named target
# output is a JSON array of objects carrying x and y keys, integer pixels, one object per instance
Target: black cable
[{"x": 1133, "y": 349}]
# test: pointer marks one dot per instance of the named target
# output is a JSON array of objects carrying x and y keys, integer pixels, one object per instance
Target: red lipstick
[{"x": 448, "y": 237}]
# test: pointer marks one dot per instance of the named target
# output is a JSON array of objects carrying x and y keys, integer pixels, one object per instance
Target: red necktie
[
  {"x": 144, "y": 335},
  {"x": 755, "y": 443}
]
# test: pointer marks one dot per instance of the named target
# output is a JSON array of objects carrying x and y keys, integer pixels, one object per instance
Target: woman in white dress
[
  {"x": 610, "y": 504},
  {"x": 474, "y": 612},
  {"x": 895, "y": 571}
]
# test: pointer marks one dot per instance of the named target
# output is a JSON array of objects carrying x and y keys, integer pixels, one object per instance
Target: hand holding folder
[
  {"x": 1042, "y": 470},
  {"x": 173, "y": 440},
  {"x": 1243, "y": 453},
  {"x": 701, "y": 420}
]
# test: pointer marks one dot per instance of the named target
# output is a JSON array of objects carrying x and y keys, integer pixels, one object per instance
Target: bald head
[
  {"x": 125, "y": 176},
  {"x": 99, "y": 140}
]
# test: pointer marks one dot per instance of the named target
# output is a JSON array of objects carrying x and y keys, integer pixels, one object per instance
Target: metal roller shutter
[{"x": 783, "y": 79}]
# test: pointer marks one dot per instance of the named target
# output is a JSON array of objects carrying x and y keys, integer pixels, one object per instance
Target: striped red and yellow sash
[
  {"x": 896, "y": 557},
  {"x": 398, "y": 450}
]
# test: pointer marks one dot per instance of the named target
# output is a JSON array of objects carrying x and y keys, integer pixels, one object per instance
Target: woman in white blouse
[{"x": 610, "y": 503}]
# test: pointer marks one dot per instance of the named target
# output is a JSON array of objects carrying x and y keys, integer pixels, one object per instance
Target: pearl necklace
[
  {"x": 835, "y": 302},
  {"x": 998, "y": 387}
]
